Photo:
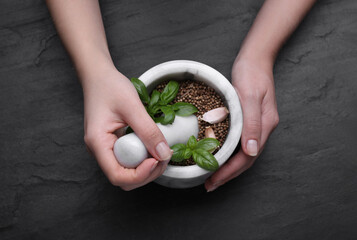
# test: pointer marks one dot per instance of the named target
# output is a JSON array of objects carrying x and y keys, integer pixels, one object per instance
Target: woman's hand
[
  {"x": 110, "y": 100},
  {"x": 254, "y": 84},
  {"x": 252, "y": 77},
  {"x": 111, "y": 103}
]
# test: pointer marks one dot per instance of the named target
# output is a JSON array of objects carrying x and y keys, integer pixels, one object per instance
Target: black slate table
[{"x": 302, "y": 187}]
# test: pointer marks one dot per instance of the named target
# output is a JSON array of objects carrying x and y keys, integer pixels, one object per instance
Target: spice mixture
[{"x": 204, "y": 98}]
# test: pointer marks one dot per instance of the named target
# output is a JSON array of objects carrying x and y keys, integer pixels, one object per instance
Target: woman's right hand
[{"x": 110, "y": 104}]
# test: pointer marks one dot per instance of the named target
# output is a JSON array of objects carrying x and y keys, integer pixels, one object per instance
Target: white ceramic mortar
[{"x": 190, "y": 176}]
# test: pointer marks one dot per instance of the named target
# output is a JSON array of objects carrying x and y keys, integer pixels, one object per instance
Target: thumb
[
  {"x": 252, "y": 126},
  {"x": 148, "y": 132}
]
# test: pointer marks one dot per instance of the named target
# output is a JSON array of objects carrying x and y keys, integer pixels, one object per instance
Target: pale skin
[{"x": 79, "y": 24}]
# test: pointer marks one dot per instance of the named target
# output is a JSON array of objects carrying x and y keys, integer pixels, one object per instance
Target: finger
[
  {"x": 241, "y": 162},
  {"x": 161, "y": 167},
  {"x": 102, "y": 147},
  {"x": 148, "y": 132},
  {"x": 252, "y": 125},
  {"x": 243, "y": 169},
  {"x": 269, "y": 123},
  {"x": 265, "y": 134},
  {"x": 157, "y": 172},
  {"x": 236, "y": 165},
  {"x": 120, "y": 132}
]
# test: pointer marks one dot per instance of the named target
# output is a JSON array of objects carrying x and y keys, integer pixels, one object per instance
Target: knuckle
[
  {"x": 216, "y": 179},
  {"x": 126, "y": 188},
  {"x": 230, "y": 165},
  {"x": 233, "y": 166},
  {"x": 114, "y": 180},
  {"x": 276, "y": 120},
  {"x": 90, "y": 138},
  {"x": 132, "y": 179},
  {"x": 152, "y": 133},
  {"x": 253, "y": 125},
  {"x": 253, "y": 94},
  {"x": 125, "y": 184},
  {"x": 249, "y": 94}
]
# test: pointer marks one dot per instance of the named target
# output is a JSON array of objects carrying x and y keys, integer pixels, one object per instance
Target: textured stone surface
[{"x": 302, "y": 187}]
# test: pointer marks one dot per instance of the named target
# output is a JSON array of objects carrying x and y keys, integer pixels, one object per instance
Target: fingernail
[
  {"x": 252, "y": 147},
  {"x": 163, "y": 151},
  {"x": 214, "y": 186},
  {"x": 153, "y": 166}
]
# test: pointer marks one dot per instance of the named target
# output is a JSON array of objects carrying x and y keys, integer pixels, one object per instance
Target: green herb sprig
[
  {"x": 200, "y": 152},
  {"x": 158, "y": 106}
]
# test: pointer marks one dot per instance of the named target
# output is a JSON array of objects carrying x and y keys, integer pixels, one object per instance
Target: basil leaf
[
  {"x": 208, "y": 144},
  {"x": 169, "y": 115},
  {"x": 158, "y": 119},
  {"x": 187, "y": 153},
  {"x": 152, "y": 110},
  {"x": 205, "y": 160},
  {"x": 155, "y": 95},
  {"x": 192, "y": 142},
  {"x": 178, "y": 154},
  {"x": 169, "y": 93},
  {"x": 141, "y": 89},
  {"x": 129, "y": 130},
  {"x": 184, "y": 109}
]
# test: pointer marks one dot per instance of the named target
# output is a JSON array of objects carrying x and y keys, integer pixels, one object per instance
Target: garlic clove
[
  {"x": 215, "y": 115},
  {"x": 209, "y": 133}
]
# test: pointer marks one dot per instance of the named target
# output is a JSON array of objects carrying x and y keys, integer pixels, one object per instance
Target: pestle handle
[{"x": 130, "y": 151}]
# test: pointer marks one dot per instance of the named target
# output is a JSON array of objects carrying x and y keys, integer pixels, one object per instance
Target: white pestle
[{"x": 130, "y": 151}]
